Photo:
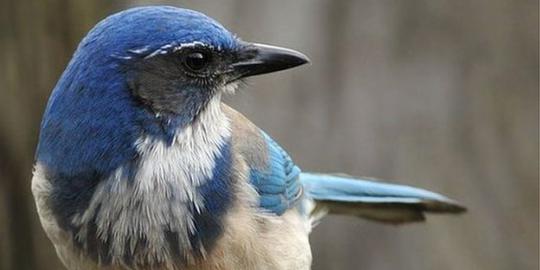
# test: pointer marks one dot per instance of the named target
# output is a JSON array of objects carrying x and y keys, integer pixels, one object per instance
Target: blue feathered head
[
  {"x": 144, "y": 31},
  {"x": 146, "y": 71}
]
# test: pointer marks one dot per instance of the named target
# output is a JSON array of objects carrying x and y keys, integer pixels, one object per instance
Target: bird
[{"x": 140, "y": 165}]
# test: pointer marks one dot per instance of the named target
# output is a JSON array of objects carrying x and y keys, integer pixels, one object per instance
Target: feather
[{"x": 383, "y": 202}]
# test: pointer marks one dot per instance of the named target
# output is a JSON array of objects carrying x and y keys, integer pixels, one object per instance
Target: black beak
[{"x": 254, "y": 59}]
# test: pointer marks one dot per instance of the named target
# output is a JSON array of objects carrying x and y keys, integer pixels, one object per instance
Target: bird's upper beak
[{"x": 254, "y": 59}]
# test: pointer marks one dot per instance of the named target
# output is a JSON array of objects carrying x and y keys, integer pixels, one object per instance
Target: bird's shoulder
[{"x": 272, "y": 172}]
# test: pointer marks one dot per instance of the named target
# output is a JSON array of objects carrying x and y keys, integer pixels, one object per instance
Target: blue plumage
[
  {"x": 394, "y": 203},
  {"x": 139, "y": 165},
  {"x": 142, "y": 31},
  {"x": 217, "y": 194},
  {"x": 277, "y": 184},
  {"x": 347, "y": 189}
]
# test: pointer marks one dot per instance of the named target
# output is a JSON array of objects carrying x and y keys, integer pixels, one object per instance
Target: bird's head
[
  {"x": 174, "y": 60},
  {"x": 144, "y": 72}
]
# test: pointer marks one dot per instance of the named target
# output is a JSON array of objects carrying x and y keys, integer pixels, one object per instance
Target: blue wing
[
  {"x": 272, "y": 173},
  {"x": 277, "y": 182}
]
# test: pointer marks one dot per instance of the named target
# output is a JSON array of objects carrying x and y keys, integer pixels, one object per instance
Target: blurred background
[{"x": 440, "y": 94}]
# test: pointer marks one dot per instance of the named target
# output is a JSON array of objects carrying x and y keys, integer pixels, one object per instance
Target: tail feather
[{"x": 389, "y": 203}]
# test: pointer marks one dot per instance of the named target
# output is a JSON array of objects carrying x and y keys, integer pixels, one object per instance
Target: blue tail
[{"x": 373, "y": 200}]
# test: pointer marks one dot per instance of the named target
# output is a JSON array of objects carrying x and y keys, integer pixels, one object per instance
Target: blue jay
[{"x": 140, "y": 165}]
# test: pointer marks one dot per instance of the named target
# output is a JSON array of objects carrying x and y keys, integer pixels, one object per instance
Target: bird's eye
[{"x": 196, "y": 61}]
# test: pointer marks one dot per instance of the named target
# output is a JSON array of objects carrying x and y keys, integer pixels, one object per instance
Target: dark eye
[{"x": 197, "y": 61}]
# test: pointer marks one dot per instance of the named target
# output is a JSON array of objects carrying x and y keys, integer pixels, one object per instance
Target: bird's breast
[{"x": 166, "y": 206}]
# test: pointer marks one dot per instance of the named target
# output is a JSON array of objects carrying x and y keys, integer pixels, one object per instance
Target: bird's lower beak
[{"x": 254, "y": 59}]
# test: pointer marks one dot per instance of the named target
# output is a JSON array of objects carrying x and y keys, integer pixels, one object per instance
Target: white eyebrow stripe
[
  {"x": 190, "y": 44},
  {"x": 141, "y": 50},
  {"x": 122, "y": 57},
  {"x": 167, "y": 48}
]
